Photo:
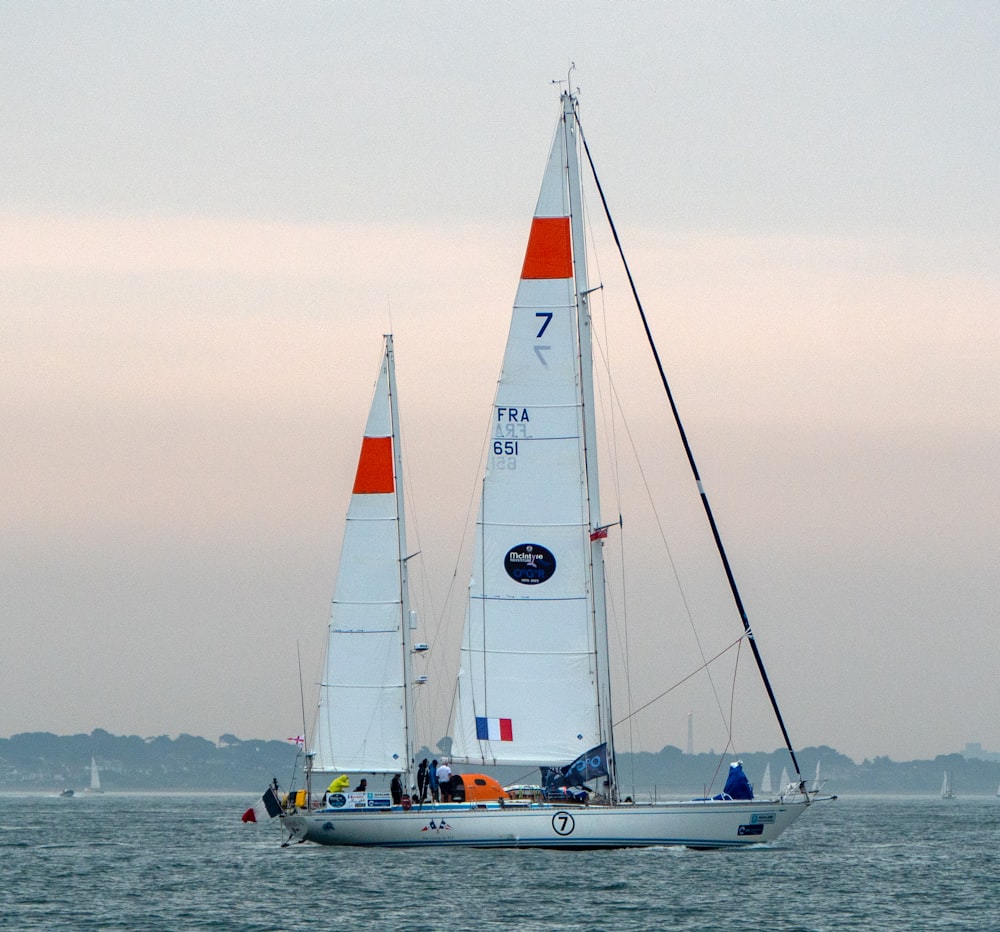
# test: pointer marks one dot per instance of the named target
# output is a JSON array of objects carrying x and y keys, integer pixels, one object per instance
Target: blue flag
[{"x": 586, "y": 767}]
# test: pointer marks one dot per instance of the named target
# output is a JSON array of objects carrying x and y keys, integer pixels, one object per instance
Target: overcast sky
[{"x": 209, "y": 214}]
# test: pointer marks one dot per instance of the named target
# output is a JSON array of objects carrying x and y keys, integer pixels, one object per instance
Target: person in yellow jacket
[{"x": 339, "y": 785}]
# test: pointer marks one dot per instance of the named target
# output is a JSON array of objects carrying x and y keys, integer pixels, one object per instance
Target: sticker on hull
[{"x": 562, "y": 823}]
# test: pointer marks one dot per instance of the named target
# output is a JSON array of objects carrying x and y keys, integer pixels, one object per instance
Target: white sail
[
  {"x": 765, "y": 781},
  {"x": 528, "y": 683},
  {"x": 362, "y": 721},
  {"x": 95, "y": 777},
  {"x": 946, "y": 790}
]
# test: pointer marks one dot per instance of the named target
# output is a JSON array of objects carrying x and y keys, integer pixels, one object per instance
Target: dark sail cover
[{"x": 737, "y": 784}]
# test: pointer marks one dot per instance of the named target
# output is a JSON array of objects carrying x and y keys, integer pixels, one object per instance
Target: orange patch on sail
[
  {"x": 549, "y": 253},
  {"x": 374, "y": 467}
]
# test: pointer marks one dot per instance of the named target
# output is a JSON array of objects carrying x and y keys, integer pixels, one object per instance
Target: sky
[{"x": 210, "y": 214}]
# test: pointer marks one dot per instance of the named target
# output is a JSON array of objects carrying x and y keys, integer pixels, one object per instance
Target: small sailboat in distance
[
  {"x": 946, "y": 791},
  {"x": 95, "y": 778}
]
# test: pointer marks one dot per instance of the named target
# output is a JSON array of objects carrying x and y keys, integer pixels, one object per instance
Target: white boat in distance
[
  {"x": 95, "y": 778},
  {"x": 946, "y": 790},
  {"x": 533, "y": 685}
]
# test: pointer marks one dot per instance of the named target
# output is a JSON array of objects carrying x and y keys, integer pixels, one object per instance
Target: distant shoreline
[{"x": 41, "y": 762}]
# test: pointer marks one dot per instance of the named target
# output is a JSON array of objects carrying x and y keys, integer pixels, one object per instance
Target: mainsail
[
  {"x": 362, "y": 724},
  {"x": 534, "y": 642}
]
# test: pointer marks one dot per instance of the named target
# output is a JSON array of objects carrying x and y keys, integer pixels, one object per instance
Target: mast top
[{"x": 567, "y": 96}]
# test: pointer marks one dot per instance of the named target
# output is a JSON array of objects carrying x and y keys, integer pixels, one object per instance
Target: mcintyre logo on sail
[{"x": 529, "y": 564}]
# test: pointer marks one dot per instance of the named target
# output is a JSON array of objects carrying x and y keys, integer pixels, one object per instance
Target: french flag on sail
[{"x": 494, "y": 729}]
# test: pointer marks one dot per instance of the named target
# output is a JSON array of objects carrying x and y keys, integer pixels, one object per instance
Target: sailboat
[
  {"x": 946, "y": 790},
  {"x": 765, "y": 782},
  {"x": 95, "y": 778},
  {"x": 534, "y": 678}
]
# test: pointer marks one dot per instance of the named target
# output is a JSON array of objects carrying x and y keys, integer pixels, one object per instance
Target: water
[{"x": 183, "y": 862}]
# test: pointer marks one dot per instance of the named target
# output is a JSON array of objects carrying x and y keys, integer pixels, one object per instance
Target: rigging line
[
  {"x": 613, "y": 408},
  {"x": 419, "y": 582},
  {"x": 682, "y": 681},
  {"x": 666, "y": 544},
  {"x": 441, "y": 621},
  {"x": 694, "y": 467},
  {"x": 302, "y": 702},
  {"x": 732, "y": 701},
  {"x": 610, "y": 408}
]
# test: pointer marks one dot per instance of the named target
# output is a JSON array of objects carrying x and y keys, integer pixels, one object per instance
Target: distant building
[{"x": 974, "y": 750}]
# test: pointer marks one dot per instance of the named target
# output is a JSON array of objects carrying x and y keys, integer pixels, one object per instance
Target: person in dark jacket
[
  {"x": 422, "y": 781},
  {"x": 432, "y": 781}
]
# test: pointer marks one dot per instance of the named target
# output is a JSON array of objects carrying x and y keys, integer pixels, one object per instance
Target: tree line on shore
[{"x": 44, "y": 761}]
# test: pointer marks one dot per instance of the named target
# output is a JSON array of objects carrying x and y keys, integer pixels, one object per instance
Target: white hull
[{"x": 695, "y": 824}]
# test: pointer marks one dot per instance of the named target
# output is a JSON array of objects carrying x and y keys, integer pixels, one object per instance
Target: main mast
[
  {"x": 599, "y": 624},
  {"x": 404, "y": 620}
]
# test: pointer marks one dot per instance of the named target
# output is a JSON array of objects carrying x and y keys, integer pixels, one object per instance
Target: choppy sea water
[{"x": 159, "y": 862}]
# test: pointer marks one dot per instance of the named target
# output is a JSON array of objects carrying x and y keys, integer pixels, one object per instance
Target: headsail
[
  {"x": 530, "y": 651},
  {"x": 362, "y": 721}
]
